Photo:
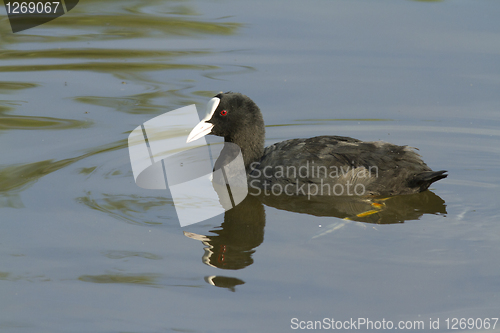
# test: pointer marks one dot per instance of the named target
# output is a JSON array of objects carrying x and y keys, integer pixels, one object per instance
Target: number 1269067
[{"x": 32, "y": 7}]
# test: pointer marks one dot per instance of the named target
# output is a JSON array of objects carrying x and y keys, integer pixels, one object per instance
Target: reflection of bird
[
  {"x": 323, "y": 165},
  {"x": 379, "y": 210},
  {"x": 232, "y": 245},
  {"x": 224, "y": 282}
]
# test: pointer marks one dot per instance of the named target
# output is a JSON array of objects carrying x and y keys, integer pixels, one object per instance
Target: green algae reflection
[{"x": 143, "y": 279}]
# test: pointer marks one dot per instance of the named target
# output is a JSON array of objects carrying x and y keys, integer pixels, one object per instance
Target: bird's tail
[{"x": 424, "y": 179}]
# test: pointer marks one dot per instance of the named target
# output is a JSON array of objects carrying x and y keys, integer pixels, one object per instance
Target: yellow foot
[{"x": 370, "y": 212}]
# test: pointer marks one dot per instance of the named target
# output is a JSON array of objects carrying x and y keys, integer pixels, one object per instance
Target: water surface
[{"x": 85, "y": 250}]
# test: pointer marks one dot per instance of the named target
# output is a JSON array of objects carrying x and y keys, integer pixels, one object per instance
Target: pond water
[{"x": 83, "y": 249}]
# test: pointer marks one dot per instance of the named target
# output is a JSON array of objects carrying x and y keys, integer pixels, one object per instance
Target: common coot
[{"x": 322, "y": 165}]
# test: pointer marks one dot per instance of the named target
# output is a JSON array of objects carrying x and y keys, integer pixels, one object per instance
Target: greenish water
[{"x": 83, "y": 249}]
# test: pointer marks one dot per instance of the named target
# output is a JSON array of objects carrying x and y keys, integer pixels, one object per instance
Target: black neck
[{"x": 251, "y": 144}]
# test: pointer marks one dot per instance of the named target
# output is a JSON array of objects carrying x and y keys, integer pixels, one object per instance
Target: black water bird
[{"x": 322, "y": 165}]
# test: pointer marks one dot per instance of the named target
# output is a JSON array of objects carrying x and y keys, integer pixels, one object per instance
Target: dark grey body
[{"x": 341, "y": 166}]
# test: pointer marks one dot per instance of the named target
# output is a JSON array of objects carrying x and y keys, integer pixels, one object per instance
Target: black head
[
  {"x": 234, "y": 116},
  {"x": 238, "y": 119}
]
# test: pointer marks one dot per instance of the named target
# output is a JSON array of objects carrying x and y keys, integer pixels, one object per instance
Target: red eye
[{"x": 223, "y": 113}]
